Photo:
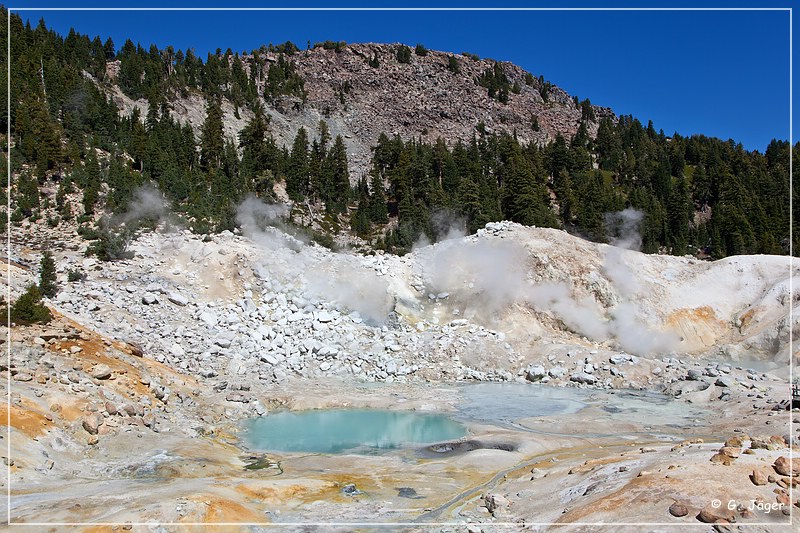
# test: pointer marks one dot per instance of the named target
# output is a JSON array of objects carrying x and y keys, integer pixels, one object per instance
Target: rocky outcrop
[{"x": 421, "y": 99}]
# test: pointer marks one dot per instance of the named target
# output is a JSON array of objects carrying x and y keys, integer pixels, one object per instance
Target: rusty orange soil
[
  {"x": 223, "y": 510},
  {"x": 646, "y": 490},
  {"x": 698, "y": 314},
  {"x": 95, "y": 350},
  {"x": 746, "y": 318},
  {"x": 25, "y": 418},
  {"x": 276, "y": 494}
]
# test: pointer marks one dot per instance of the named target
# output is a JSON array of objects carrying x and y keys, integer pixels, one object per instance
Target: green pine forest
[{"x": 699, "y": 195}]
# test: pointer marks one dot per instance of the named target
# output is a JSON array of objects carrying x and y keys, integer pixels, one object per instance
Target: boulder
[
  {"x": 724, "y": 381},
  {"x": 694, "y": 375},
  {"x": 101, "y": 371},
  {"x": 737, "y": 441},
  {"x": 764, "y": 442},
  {"x": 583, "y": 377},
  {"x": 149, "y": 420},
  {"x": 149, "y": 298},
  {"x": 758, "y": 477},
  {"x": 730, "y": 451},
  {"x": 678, "y": 509},
  {"x": 495, "y": 502},
  {"x": 722, "y": 459},
  {"x": 710, "y": 514},
  {"x": 92, "y": 422},
  {"x": 208, "y": 318},
  {"x": 177, "y": 299},
  {"x": 535, "y": 373},
  {"x": 785, "y": 467}
]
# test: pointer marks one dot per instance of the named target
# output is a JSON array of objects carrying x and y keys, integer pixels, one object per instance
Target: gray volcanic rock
[{"x": 419, "y": 99}]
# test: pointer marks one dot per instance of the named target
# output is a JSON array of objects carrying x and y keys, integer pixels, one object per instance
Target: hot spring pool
[{"x": 339, "y": 430}]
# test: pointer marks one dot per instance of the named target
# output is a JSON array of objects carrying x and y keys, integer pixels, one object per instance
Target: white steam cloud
[
  {"x": 146, "y": 202},
  {"x": 625, "y": 325},
  {"x": 487, "y": 276},
  {"x": 446, "y": 226},
  {"x": 319, "y": 275},
  {"x": 624, "y": 228}
]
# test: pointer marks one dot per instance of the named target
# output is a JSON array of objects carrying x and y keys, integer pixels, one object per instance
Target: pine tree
[
  {"x": 297, "y": 172},
  {"x": 378, "y": 213},
  {"x": 212, "y": 144},
  {"x": 28, "y": 309},
  {"x": 91, "y": 189},
  {"x": 403, "y": 54},
  {"x": 337, "y": 197},
  {"x": 679, "y": 211},
  {"x": 359, "y": 220},
  {"x": 562, "y": 185},
  {"x": 252, "y": 141},
  {"x": 469, "y": 201},
  {"x": 47, "y": 276}
]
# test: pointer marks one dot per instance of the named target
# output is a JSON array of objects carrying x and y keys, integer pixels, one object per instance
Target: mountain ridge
[{"x": 420, "y": 99}]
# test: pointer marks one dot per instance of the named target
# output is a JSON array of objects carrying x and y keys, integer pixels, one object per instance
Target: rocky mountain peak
[{"x": 435, "y": 95}]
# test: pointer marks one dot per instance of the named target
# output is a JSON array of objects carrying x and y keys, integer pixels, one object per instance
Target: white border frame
[{"x": 380, "y": 9}]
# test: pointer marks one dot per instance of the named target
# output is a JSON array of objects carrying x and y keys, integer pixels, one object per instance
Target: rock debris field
[{"x": 128, "y": 407}]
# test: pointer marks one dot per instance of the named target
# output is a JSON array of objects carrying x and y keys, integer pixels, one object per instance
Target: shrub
[
  {"x": 110, "y": 246},
  {"x": 420, "y": 50},
  {"x": 28, "y": 309},
  {"x": 336, "y": 46},
  {"x": 75, "y": 275},
  {"x": 403, "y": 54},
  {"x": 374, "y": 63},
  {"x": 452, "y": 65}
]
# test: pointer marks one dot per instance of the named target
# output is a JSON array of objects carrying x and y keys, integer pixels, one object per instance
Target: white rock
[
  {"x": 535, "y": 373},
  {"x": 582, "y": 377},
  {"x": 149, "y": 298},
  {"x": 177, "y": 299},
  {"x": 209, "y": 318}
]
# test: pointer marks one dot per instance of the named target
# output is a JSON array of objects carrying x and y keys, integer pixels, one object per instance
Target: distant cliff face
[{"x": 429, "y": 97}]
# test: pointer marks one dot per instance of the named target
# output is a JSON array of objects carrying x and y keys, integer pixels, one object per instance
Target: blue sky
[{"x": 720, "y": 73}]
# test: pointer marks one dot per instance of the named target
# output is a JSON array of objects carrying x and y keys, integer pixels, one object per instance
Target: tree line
[{"x": 699, "y": 195}]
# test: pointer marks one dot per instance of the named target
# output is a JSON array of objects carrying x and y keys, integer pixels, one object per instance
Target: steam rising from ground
[
  {"x": 446, "y": 226},
  {"x": 334, "y": 277},
  {"x": 262, "y": 223},
  {"x": 623, "y": 227},
  {"x": 146, "y": 202},
  {"x": 482, "y": 276},
  {"x": 487, "y": 276},
  {"x": 630, "y": 332}
]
